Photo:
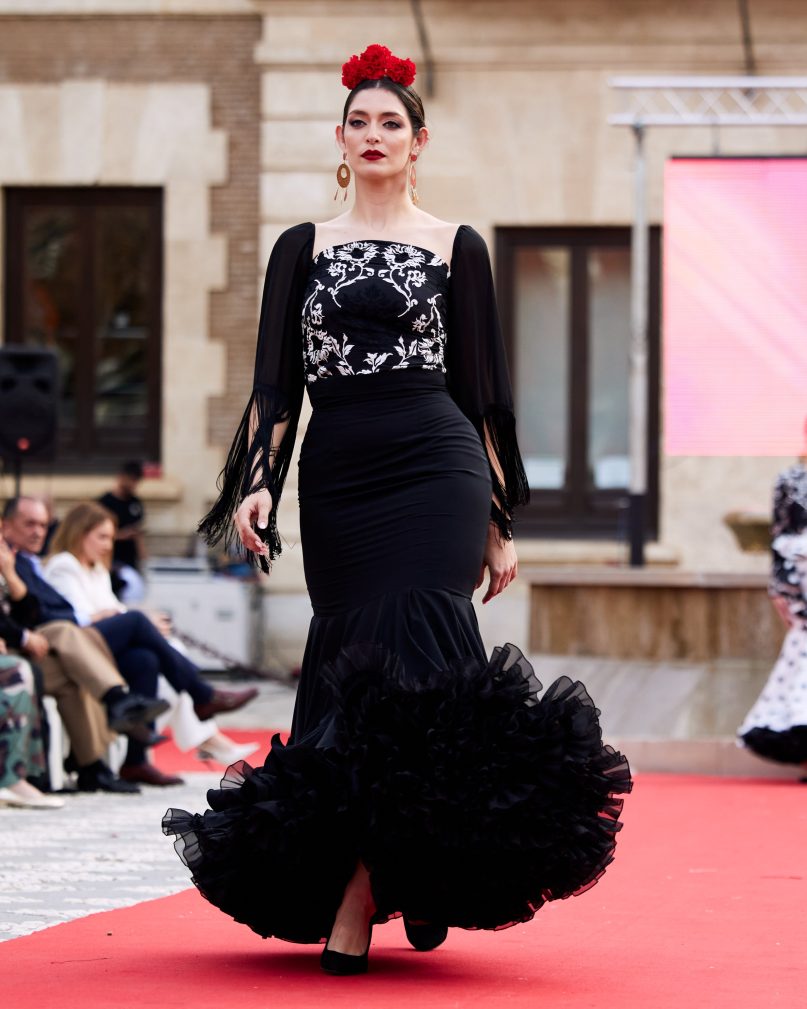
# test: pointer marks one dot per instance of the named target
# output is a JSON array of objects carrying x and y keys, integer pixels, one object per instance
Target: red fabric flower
[{"x": 375, "y": 62}]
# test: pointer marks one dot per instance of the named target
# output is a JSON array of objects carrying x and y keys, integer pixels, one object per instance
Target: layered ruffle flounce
[
  {"x": 776, "y": 726},
  {"x": 471, "y": 797}
]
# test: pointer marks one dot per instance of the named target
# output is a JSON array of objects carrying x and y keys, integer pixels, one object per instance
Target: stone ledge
[
  {"x": 90, "y": 486},
  {"x": 719, "y": 756},
  {"x": 536, "y": 551},
  {"x": 617, "y": 576}
]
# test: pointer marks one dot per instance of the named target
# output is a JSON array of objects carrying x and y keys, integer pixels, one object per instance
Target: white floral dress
[{"x": 776, "y": 726}]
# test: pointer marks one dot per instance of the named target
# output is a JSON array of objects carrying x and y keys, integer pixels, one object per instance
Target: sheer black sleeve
[
  {"x": 478, "y": 378},
  {"x": 253, "y": 462}
]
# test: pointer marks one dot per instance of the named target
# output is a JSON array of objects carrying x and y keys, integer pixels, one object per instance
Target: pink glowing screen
[{"x": 735, "y": 306}]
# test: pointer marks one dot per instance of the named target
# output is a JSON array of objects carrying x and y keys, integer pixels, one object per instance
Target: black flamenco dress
[{"x": 471, "y": 797}]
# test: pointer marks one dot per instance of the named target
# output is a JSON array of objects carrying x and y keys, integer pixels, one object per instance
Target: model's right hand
[{"x": 254, "y": 511}]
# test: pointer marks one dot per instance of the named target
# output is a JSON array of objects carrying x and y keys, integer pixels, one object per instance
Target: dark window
[
  {"x": 84, "y": 277},
  {"x": 565, "y": 305}
]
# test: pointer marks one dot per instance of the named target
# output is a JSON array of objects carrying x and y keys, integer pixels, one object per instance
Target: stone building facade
[{"x": 229, "y": 109}]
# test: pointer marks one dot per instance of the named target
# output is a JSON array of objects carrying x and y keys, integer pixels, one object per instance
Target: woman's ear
[
  {"x": 421, "y": 140},
  {"x": 340, "y": 138}
]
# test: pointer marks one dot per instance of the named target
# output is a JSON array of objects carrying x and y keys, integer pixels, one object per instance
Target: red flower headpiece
[{"x": 376, "y": 62}]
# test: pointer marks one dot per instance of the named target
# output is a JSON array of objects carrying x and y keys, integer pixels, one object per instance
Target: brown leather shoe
[
  {"x": 225, "y": 700},
  {"x": 148, "y": 774}
]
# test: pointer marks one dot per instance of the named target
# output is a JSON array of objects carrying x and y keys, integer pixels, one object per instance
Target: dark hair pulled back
[{"x": 410, "y": 99}]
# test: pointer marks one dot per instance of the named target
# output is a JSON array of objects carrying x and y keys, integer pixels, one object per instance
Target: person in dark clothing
[
  {"x": 421, "y": 778},
  {"x": 129, "y": 550},
  {"x": 77, "y": 670},
  {"x": 138, "y": 648}
]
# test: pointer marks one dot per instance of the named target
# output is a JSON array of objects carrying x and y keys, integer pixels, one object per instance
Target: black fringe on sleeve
[
  {"x": 478, "y": 376},
  {"x": 277, "y": 396},
  {"x": 514, "y": 489},
  {"x": 251, "y": 465}
]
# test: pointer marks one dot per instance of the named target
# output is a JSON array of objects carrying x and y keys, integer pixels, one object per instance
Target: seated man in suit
[
  {"x": 136, "y": 644},
  {"x": 77, "y": 670}
]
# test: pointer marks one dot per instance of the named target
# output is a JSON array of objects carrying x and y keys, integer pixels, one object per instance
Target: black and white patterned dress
[
  {"x": 776, "y": 726},
  {"x": 411, "y": 290},
  {"x": 472, "y": 797}
]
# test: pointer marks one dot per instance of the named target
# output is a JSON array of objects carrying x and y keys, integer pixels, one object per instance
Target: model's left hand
[{"x": 500, "y": 560}]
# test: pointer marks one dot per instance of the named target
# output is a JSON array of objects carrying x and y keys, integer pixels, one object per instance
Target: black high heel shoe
[
  {"x": 345, "y": 963},
  {"x": 425, "y": 936}
]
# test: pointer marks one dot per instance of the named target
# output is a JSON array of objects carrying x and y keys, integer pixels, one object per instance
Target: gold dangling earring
[
  {"x": 343, "y": 177},
  {"x": 413, "y": 181}
]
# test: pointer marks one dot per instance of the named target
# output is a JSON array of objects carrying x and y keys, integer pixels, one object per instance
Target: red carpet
[
  {"x": 172, "y": 761},
  {"x": 704, "y": 907}
]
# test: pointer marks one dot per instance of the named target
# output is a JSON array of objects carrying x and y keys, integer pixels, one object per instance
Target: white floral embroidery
[
  {"x": 359, "y": 265},
  {"x": 350, "y": 263},
  {"x": 375, "y": 361},
  {"x": 405, "y": 353},
  {"x": 401, "y": 273},
  {"x": 317, "y": 341},
  {"x": 433, "y": 341}
]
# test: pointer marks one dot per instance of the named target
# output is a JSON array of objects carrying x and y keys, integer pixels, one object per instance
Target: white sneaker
[
  {"x": 7, "y": 797},
  {"x": 10, "y": 798},
  {"x": 226, "y": 754}
]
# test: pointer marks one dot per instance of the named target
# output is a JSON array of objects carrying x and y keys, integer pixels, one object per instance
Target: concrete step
[{"x": 717, "y": 756}]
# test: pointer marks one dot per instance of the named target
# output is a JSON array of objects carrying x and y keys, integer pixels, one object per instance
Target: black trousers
[{"x": 142, "y": 653}]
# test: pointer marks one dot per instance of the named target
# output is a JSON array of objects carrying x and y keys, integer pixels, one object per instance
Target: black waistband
[{"x": 384, "y": 384}]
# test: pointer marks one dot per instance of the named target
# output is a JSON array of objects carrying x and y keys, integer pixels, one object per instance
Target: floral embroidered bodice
[{"x": 374, "y": 306}]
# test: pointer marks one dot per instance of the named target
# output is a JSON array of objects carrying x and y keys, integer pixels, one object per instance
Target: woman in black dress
[{"x": 421, "y": 778}]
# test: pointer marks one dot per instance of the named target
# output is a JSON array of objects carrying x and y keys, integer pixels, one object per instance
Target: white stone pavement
[{"x": 106, "y": 851}]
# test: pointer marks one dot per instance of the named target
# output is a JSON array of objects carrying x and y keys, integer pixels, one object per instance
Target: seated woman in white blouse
[{"x": 79, "y": 570}]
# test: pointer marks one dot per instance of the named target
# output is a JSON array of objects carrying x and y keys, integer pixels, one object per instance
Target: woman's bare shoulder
[
  {"x": 332, "y": 232},
  {"x": 438, "y": 235}
]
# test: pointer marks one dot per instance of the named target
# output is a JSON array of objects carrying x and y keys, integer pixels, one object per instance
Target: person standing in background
[
  {"x": 776, "y": 726},
  {"x": 129, "y": 553}
]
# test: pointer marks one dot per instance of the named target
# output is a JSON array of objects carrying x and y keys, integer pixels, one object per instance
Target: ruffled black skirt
[{"x": 472, "y": 797}]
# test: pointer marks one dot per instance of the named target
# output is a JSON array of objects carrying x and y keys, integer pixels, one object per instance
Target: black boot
[
  {"x": 130, "y": 713},
  {"x": 97, "y": 777}
]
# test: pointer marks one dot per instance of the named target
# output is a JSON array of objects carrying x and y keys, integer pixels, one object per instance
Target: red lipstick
[{"x": 373, "y": 155}]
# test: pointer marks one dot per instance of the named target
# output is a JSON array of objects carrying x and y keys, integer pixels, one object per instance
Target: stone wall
[
  {"x": 520, "y": 137},
  {"x": 169, "y": 101}
]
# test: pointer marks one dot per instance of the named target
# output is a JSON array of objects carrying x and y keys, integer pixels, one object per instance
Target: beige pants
[{"x": 77, "y": 672}]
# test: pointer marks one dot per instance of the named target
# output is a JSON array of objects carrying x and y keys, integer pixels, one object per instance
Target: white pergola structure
[{"x": 680, "y": 101}]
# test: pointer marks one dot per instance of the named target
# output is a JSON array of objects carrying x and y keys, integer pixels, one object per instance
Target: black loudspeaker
[{"x": 29, "y": 403}]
